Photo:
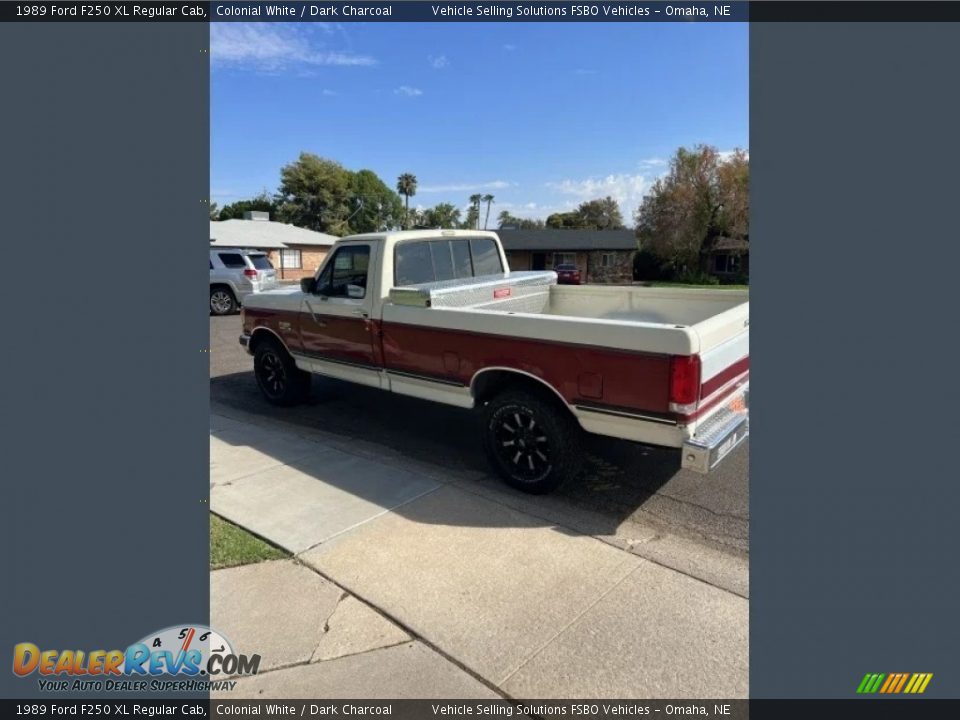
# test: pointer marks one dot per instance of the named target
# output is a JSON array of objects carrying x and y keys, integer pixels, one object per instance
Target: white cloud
[
  {"x": 466, "y": 187},
  {"x": 273, "y": 48},
  {"x": 536, "y": 211},
  {"x": 653, "y": 162},
  {"x": 408, "y": 91},
  {"x": 439, "y": 62},
  {"x": 628, "y": 190}
]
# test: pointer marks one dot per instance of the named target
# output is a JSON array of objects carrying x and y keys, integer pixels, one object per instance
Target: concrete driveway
[{"x": 632, "y": 583}]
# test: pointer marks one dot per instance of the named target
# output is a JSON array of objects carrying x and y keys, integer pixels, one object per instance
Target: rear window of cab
[{"x": 425, "y": 261}]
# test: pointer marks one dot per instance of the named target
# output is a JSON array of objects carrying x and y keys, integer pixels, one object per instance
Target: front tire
[
  {"x": 222, "y": 301},
  {"x": 280, "y": 380},
  {"x": 533, "y": 445}
]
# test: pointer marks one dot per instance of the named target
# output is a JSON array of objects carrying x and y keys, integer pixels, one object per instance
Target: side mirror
[
  {"x": 308, "y": 285},
  {"x": 356, "y": 292}
]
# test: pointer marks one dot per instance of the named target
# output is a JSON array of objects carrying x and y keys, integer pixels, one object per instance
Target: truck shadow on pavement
[{"x": 620, "y": 482}]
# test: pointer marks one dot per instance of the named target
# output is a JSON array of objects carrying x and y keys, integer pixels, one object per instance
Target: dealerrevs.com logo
[{"x": 177, "y": 658}]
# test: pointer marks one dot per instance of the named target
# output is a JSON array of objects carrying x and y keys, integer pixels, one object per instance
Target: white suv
[{"x": 236, "y": 273}]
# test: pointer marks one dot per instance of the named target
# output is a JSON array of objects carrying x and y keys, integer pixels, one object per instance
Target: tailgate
[
  {"x": 722, "y": 419},
  {"x": 724, "y": 351}
]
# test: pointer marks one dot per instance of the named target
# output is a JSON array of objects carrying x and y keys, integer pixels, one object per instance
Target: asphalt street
[{"x": 636, "y": 495}]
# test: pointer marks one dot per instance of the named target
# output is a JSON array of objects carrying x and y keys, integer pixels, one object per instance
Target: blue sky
[{"x": 541, "y": 115}]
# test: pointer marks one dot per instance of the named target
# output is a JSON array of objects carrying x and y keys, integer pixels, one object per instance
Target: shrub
[
  {"x": 647, "y": 266},
  {"x": 697, "y": 277}
]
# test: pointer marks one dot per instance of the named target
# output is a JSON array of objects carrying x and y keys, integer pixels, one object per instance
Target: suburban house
[
  {"x": 602, "y": 256},
  {"x": 729, "y": 259},
  {"x": 295, "y": 252}
]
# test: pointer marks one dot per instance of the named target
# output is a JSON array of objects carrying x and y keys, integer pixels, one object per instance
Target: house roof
[
  {"x": 727, "y": 243},
  {"x": 264, "y": 235},
  {"x": 564, "y": 240}
]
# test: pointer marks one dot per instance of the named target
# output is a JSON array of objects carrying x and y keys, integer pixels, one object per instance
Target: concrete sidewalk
[{"x": 407, "y": 584}]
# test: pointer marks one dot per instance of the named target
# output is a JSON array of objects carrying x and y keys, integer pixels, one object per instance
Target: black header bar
[
  {"x": 484, "y": 11},
  {"x": 592, "y": 709}
]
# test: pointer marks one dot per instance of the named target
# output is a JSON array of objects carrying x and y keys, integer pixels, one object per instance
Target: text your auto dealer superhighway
[{"x": 301, "y": 12}]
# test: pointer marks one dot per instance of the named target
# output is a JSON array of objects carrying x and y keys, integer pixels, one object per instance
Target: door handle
[{"x": 362, "y": 313}]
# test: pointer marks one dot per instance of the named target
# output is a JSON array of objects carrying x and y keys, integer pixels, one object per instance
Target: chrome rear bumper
[{"x": 719, "y": 435}]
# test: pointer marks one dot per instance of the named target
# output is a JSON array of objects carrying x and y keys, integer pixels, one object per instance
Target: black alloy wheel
[
  {"x": 280, "y": 380},
  {"x": 533, "y": 444}
]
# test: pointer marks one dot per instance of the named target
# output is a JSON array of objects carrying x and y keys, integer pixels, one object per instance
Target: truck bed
[
  {"x": 531, "y": 304},
  {"x": 669, "y": 306}
]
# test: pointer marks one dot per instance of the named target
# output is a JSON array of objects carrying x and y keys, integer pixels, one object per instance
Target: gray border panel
[
  {"x": 855, "y": 263},
  {"x": 105, "y": 166}
]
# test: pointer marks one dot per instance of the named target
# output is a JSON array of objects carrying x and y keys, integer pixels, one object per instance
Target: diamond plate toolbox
[{"x": 469, "y": 292}]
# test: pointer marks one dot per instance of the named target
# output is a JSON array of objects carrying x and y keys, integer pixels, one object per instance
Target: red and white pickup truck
[{"x": 437, "y": 314}]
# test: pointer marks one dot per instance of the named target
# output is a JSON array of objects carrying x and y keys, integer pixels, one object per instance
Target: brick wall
[
  {"x": 310, "y": 259},
  {"x": 619, "y": 271}
]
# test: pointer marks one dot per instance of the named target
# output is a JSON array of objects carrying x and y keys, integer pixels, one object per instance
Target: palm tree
[
  {"x": 475, "y": 200},
  {"x": 488, "y": 198},
  {"x": 407, "y": 186}
]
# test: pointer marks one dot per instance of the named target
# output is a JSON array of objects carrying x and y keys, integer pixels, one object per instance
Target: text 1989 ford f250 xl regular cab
[{"x": 437, "y": 314}]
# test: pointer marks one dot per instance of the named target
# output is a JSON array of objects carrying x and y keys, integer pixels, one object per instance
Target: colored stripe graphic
[
  {"x": 894, "y": 683},
  {"x": 903, "y": 679}
]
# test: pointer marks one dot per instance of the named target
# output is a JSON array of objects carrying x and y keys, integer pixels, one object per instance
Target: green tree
[
  {"x": 315, "y": 193},
  {"x": 602, "y": 214},
  {"x": 262, "y": 203},
  {"x": 565, "y": 220},
  {"x": 488, "y": 199},
  {"x": 475, "y": 201},
  {"x": 407, "y": 186},
  {"x": 416, "y": 217},
  {"x": 702, "y": 198},
  {"x": 443, "y": 215},
  {"x": 506, "y": 219},
  {"x": 375, "y": 206},
  {"x": 472, "y": 219}
]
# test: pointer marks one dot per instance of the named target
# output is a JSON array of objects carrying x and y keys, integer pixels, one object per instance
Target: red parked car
[{"x": 567, "y": 274}]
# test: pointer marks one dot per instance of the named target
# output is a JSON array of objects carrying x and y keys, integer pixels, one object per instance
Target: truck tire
[
  {"x": 222, "y": 301},
  {"x": 280, "y": 380},
  {"x": 532, "y": 444}
]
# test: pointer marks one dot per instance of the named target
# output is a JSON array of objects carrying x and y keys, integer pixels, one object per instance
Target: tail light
[
  {"x": 684, "y": 383},
  {"x": 250, "y": 273}
]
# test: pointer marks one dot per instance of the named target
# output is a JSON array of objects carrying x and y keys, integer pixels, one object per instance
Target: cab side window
[{"x": 346, "y": 273}]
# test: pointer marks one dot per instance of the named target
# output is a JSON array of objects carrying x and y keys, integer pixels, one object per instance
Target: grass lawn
[
  {"x": 699, "y": 287},
  {"x": 231, "y": 545}
]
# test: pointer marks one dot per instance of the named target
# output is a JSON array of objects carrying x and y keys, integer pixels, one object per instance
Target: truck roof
[{"x": 419, "y": 235}]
